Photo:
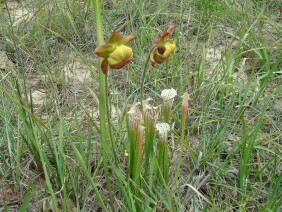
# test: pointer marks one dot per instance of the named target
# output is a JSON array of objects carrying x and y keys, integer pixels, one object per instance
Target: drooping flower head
[
  {"x": 115, "y": 53},
  {"x": 162, "y": 48}
]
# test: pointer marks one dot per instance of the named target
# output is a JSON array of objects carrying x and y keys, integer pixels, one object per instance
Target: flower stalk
[
  {"x": 102, "y": 96},
  {"x": 143, "y": 78}
]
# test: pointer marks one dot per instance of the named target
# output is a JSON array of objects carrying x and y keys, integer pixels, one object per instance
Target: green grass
[{"x": 228, "y": 59}]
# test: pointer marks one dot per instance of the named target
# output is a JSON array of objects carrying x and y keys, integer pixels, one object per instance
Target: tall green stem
[
  {"x": 166, "y": 72},
  {"x": 143, "y": 79},
  {"x": 102, "y": 96}
]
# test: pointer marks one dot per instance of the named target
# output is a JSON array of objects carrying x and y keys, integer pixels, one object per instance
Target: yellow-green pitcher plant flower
[
  {"x": 115, "y": 52},
  {"x": 162, "y": 48},
  {"x": 161, "y": 51}
]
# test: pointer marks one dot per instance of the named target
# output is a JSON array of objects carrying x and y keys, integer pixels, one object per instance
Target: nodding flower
[
  {"x": 162, "y": 48},
  {"x": 115, "y": 52}
]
